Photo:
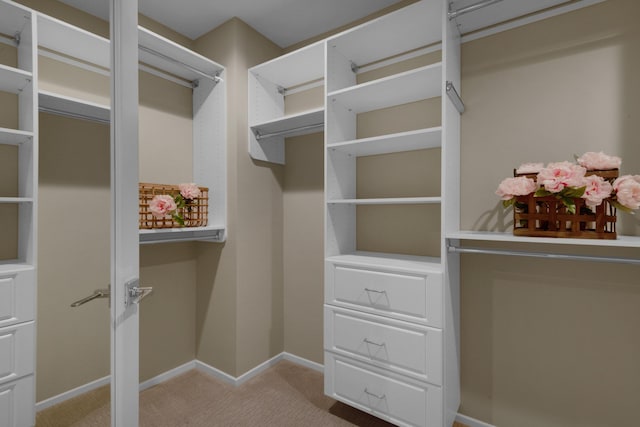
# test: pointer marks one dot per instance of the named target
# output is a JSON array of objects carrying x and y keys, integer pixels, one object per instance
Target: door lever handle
[{"x": 98, "y": 293}]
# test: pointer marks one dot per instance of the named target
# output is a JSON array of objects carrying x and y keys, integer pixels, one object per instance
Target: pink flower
[
  {"x": 597, "y": 190},
  {"x": 557, "y": 176},
  {"x": 530, "y": 168},
  {"x": 520, "y": 186},
  {"x": 189, "y": 191},
  {"x": 162, "y": 205},
  {"x": 627, "y": 189},
  {"x": 599, "y": 161}
]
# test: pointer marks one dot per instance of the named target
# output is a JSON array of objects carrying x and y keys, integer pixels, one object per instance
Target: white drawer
[
  {"x": 17, "y": 403},
  {"x": 16, "y": 351},
  {"x": 385, "y": 395},
  {"x": 406, "y": 348},
  {"x": 406, "y": 296},
  {"x": 17, "y": 297}
]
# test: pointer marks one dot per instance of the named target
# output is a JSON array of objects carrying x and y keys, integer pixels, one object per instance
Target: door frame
[{"x": 125, "y": 258}]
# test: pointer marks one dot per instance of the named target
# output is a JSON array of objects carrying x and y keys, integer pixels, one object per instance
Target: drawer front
[
  {"x": 17, "y": 403},
  {"x": 17, "y": 345},
  {"x": 406, "y": 348},
  {"x": 404, "y": 296},
  {"x": 17, "y": 297},
  {"x": 386, "y": 396}
]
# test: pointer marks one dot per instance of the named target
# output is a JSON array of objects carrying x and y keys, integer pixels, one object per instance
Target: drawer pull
[
  {"x": 377, "y": 396},
  {"x": 374, "y": 291},
  {"x": 368, "y": 341}
]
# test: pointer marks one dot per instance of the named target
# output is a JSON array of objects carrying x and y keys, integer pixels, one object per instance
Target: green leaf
[
  {"x": 178, "y": 219},
  {"x": 542, "y": 193},
  {"x": 507, "y": 203},
  {"x": 623, "y": 208},
  {"x": 574, "y": 192},
  {"x": 569, "y": 203}
]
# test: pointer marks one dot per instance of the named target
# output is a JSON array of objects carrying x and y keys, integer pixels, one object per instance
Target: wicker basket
[
  {"x": 548, "y": 216},
  {"x": 194, "y": 215}
]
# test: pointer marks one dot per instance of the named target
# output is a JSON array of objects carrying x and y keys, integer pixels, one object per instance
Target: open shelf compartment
[
  {"x": 420, "y": 139},
  {"x": 13, "y": 80}
]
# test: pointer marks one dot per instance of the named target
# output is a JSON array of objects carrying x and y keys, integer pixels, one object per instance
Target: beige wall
[
  {"x": 546, "y": 342},
  {"x": 240, "y": 286}
]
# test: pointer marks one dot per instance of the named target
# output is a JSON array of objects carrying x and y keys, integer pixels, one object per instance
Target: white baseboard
[
  {"x": 471, "y": 422},
  {"x": 47, "y": 403},
  {"x": 194, "y": 364},
  {"x": 168, "y": 375},
  {"x": 303, "y": 362}
]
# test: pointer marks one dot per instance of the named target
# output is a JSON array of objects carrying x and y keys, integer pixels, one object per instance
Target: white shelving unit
[
  {"x": 18, "y": 276},
  {"x": 268, "y": 85},
  {"x": 170, "y": 60},
  {"x": 492, "y": 236}
]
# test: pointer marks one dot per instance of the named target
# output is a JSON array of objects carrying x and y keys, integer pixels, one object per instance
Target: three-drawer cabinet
[
  {"x": 17, "y": 341},
  {"x": 383, "y": 337}
]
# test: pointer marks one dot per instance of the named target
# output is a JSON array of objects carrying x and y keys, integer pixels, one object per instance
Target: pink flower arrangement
[
  {"x": 163, "y": 205},
  {"x": 568, "y": 181}
]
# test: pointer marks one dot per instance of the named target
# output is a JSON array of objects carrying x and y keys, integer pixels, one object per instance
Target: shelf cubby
[
  {"x": 420, "y": 139},
  {"x": 14, "y": 80},
  {"x": 292, "y": 125}
]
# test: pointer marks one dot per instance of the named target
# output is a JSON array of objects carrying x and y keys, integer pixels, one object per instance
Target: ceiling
[{"x": 284, "y": 22}]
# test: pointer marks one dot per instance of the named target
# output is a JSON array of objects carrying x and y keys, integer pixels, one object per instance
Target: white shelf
[
  {"x": 13, "y": 19},
  {"x": 295, "y": 68},
  {"x": 164, "y": 235},
  {"x": 55, "y": 35},
  {"x": 14, "y": 137},
  {"x": 488, "y": 236},
  {"x": 388, "y": 201},
  {"x": 407, "y": 263},
  {"x": 14, "y": 266},
  {"x": 393, "y": 143},
  {"x": 288, "y": 124},
  {"x": 409, "y": 28},
  {"x": 59, "y": 104},
  {"x": 172, "y": 55},
  {"x": 13, "y": 80},
  {"x": 16, "y": 200},
  {"x": 410, "y": 86}
]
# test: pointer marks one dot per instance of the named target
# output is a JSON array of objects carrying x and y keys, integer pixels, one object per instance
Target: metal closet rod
[
  {"x": 73, "y": 115},
  {"x": 472, "y": 7},
  {"x": 567, "y": 257},
  {"x": 260, "y": 136},
  {"x": 215, "y": 78}
]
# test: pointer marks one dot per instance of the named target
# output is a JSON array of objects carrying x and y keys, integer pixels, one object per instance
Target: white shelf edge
[
  {"x": 16, "y": 200},
  {"x": 489, "y": 236},
  {"x": 13, "y": 80},
  {"x": 294, "y": 68},
  {"x": 66, "y": 105},
  {"x": 14, "y": 266},
  {"x": 401, "y": 88},
  {"x": 302, "y": 114},
  {"x": 392, "y": 143},
  {"x": 409, "y": 263},
  {"x": 166, "y": 235},
  {"x": 14, "y": 136},
  {"x": 388, "y": 201},
  {"x": 13, "y": 18}
]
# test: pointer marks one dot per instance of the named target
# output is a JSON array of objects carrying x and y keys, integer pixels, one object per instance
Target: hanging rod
[
  {"x": 260, "y": 136},
  {"x": 618, "y": 260},
  {"x": 73, "y": 115},
  {"x": 215, "y": 78},
  {"x": 455, "y": 97},
  {"x": 472, "y": 7}
]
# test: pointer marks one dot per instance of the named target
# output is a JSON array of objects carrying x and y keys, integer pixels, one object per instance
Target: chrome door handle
[{"x": 98, "y": 293}]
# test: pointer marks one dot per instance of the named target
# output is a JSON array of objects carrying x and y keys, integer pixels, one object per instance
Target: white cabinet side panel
[{"x": 265, "y": 103}]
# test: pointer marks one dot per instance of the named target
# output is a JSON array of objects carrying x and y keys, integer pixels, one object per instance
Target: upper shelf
[
  {"x": 409, "y": 28},
  {"x": 293, "y": 125},
  {"x": 301, "y": 66},
  {"x": 13, "y": 80},
  {"x": 155, "y": 50},
  {"x": 410, "y": 86},
  {"x": 393, "y": 143},
  {"x": 13, "y": 18},
  {"x": 488, "y": 236},
  {"x": 50, "y": 102}
]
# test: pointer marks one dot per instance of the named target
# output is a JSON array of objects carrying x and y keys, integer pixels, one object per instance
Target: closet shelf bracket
[
  {"x": 453, "y": 14},
  {"x": 454, "y": 97}
]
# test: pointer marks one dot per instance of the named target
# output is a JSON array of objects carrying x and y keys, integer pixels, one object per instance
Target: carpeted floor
[{"x": 284, "y": 395}]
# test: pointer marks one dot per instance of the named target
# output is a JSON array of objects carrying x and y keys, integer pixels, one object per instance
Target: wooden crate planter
[
  {"x": 194, "y": 215},
  {"x": 548, "y": 216}
]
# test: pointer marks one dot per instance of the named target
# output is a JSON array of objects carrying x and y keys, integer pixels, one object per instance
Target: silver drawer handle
[
  {"x": 377, "y": 396},
  {"x": 368, "y": 341},
  {"x": 375, "y": 291}
]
